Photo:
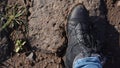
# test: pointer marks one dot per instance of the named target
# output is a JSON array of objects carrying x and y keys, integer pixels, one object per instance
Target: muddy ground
[{"x": 46, "y": 36}]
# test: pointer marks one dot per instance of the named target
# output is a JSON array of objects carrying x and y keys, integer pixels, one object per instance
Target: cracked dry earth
[{"x": 47, "y": 35}]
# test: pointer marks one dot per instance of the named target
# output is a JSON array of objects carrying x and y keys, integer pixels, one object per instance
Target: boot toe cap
[{"x": 78, "y": 12}]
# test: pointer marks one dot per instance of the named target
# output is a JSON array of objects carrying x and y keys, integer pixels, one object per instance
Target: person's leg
[
  {"x": 88, "y": 62},
  {"x": 81, "y": 44}
]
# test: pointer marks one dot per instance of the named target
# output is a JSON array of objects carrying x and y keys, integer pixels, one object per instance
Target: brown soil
[{"x": 46, "y": 37}]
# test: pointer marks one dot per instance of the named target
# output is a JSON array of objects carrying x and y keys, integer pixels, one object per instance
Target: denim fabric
[{"x": 88, "y": 62}]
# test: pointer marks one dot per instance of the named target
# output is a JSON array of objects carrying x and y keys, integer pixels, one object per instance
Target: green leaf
[
  {"x": 17, "y": 49},
  {"x": 17, "y": 21},
  {"x": 19, "y": 45},
  {"x": 19, "y": 14},
  {"x": 23, "y": 43},
  {"x": 8, "y": 22}
]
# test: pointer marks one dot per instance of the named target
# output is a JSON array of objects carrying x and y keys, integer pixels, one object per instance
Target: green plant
[
  {"x": 13, "y": 16},
  {"x": 19, "y": 45}
]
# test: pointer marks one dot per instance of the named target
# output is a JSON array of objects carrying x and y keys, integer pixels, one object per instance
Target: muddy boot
[{"x": 80, "y": 40}]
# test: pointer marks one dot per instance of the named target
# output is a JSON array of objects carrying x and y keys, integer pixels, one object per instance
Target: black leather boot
[{"x": 80, "y": 40}]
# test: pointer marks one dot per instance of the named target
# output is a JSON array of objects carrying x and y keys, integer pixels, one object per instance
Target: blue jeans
[{"x": 88, "y": 62}]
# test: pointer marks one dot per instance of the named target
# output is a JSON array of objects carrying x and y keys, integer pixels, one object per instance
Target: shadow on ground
[
  {"x": 109, "y": 37},
  {"x": 111, "y": 48}
]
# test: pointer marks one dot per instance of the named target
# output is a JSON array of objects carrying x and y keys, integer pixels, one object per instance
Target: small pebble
[{"x": 30, "y": 56}]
